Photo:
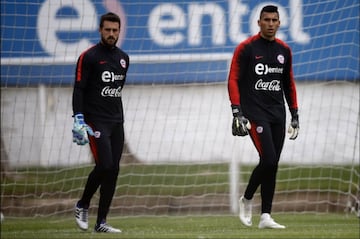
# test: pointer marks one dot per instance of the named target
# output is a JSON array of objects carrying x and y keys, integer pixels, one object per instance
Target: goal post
[{"x": 181, "y": 157}]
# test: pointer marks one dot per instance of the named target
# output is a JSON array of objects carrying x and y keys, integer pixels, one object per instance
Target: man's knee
[{"x": 269, "y": 165}]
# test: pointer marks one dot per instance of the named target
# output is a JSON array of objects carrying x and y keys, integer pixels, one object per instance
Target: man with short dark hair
[
  {"x": 98, "y": 118},
  {"x": 260, "y": 77}
]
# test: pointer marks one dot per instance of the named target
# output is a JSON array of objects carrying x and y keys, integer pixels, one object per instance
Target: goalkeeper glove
[
  {"x": 81, "y": 130},
  {"x": 294, "y": 125},
  {"x": 240, "y": 124}
]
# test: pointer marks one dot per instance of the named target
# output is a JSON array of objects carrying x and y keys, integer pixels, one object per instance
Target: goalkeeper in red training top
[
  {"x": 98, "y": 112},
  {"x": 260, "y": 78}
]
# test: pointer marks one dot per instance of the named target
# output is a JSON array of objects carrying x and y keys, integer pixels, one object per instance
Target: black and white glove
[
  {"x": 294, "y": 124},
  {"x": 240, "y": 124}
]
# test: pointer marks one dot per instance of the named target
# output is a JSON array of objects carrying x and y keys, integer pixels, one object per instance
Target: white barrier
[{"x": 175, "y": 123}]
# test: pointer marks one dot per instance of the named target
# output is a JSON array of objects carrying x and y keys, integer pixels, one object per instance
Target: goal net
[{"x": 180, "y": 156}]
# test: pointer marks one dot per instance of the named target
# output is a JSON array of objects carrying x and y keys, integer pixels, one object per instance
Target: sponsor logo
[
  {"x": 111, "y": 92},
  {"x": 258, "y": 57},
  {"x": 82, "y": 20},
  {"x": 109, "y": 76},
  {"x": 63, "y": 28},
  {"x": 273, "y": 85},
  {"x": 171, "y": 24},
  {"x": 261, "y": 69}
]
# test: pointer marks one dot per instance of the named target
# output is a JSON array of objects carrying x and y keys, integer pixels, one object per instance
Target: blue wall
[{"x": 324, "y": 37}]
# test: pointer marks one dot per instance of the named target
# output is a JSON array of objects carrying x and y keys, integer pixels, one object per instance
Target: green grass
[
  {"x": 29, "y": 191},
  {"x": 298, "y": 226},
  {"x": 177, "y": 180}
]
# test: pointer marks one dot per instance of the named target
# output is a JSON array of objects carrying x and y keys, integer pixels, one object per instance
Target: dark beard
[{"x": 105, "y": 42}]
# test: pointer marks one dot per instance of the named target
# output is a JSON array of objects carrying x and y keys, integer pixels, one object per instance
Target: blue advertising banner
[{"x": 173, "y": 41}]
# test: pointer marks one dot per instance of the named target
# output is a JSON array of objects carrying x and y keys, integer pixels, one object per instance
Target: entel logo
[
  {"x": 168, "y": 20},
  {"x": 261, "y": 69},
  {"x": 49, "y": 24},
  {"x": 166, "y": 23},
  {"x": 108, "y": 76}
]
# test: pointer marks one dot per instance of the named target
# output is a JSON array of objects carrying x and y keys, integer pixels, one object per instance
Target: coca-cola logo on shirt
[
  {"x": 111, "y": 92},
  {"x": 273, "y": 85}
]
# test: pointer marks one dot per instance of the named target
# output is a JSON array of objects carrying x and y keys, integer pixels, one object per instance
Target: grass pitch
[
  {"x": 175, "y": 180},
  {"x": 298, "y": 226}
]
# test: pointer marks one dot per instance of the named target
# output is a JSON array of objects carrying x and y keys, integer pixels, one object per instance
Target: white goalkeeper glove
[
  {"x": 294, "y": 125},
  {"x": 240, "y": 124},
  {"x": 81, "y": 130}
]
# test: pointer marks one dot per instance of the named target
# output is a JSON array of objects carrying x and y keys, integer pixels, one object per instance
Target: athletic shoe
[
  {"x": 103, "y": 227},
  {"x": 245, "y": 211},
  {"x": 267, "y": 222},
  {"x": 81, "y": 217}
]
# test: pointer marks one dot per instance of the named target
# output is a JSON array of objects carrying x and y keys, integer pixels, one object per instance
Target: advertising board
[{"x": 41, "y": 39}]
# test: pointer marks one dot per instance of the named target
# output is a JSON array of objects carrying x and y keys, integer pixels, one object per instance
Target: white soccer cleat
[
  {"x": 103, "y": 227},
  {"x": 82, "y": 218},
  {"x": 267, "y": 222},
  {"x": 245, "y": 211}
]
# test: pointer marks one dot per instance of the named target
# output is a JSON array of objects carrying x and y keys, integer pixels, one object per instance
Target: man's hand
[
  {"x": 294, "y": 125},
  {"x": 240, "y": 124},
  {"x": 81, "y": 130}
]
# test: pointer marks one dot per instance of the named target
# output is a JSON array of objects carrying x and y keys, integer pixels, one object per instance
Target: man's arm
[
  {"x": 233, "y": 78},
  {"x": 289, "y": 85},
  {"x": 80, "y": 129},
  {"x": 81, "y": 77},
  {"x": 291, "y": 98},
  {"x": 240, "y": 124}
]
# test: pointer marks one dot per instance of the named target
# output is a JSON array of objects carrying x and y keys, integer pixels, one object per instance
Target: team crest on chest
[
  {"x": 97, "y": 134},
  {"x": 123, "y": 63},
  {"x": 259, "y": 129},
  {"x": 281, "y": 59}
]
